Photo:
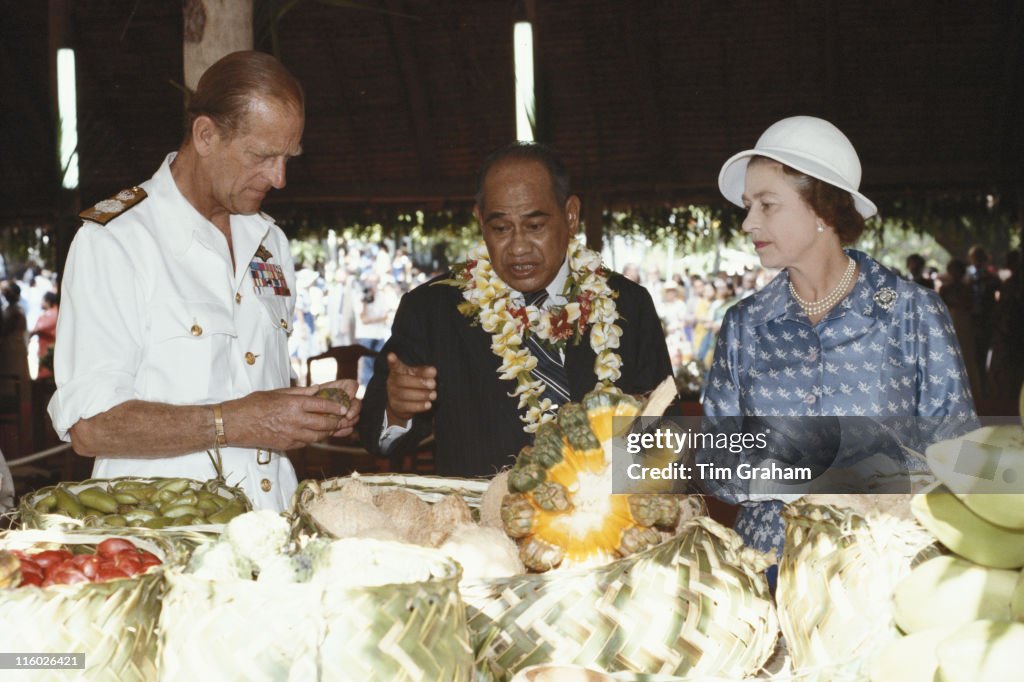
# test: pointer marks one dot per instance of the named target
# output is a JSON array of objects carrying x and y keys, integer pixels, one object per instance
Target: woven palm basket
[
  {"x": 30, "y": 517},
  {"x": 252, "y": 631},
  {"x": 836, "y": 579},
  {"x": 575, "y": 673},
  {"x": 696, "y": 602},
  {"x": 113, "y": 623}
]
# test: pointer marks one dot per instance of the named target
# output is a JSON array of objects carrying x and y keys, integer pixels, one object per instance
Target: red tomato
[
  {"x": 87, "y": 564},
  {"x": 29, "y": 566},
  {"x": 107, "y": 572},
  {"x": 31, "y": 579},
  {"x": 148, "y": 559},
  {"x": 129, "y": 562},
  {"x": 66, "y": 574},
  {"x": 50, "y": 557},
  {"x": 112, "y": 546}
]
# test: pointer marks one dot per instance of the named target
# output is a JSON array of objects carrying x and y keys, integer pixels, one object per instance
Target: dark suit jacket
[{"x": 476, "y": 424}]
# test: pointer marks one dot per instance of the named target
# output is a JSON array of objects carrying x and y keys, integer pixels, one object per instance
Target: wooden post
[
  {"x": 214, "y": 28},
  {"x": 593, "y": 208}
]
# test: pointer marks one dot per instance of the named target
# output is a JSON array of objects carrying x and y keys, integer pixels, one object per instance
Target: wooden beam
[
  {"x": 415, "y": 90},
  {"x": 640, "y": 50},
  {"x": 68, "y": 203},
  {"x": 213, "y": 28},
  {"x": 593, "y": 209}
]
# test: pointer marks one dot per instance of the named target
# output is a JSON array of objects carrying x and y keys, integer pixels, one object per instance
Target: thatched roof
[{"x": 644, "y": 99}]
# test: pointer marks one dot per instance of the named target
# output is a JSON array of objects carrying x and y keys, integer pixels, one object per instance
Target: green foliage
[{"x": 937, "y": 226}]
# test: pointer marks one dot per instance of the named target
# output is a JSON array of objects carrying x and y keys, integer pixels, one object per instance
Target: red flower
[
  {"x": 467, "y": 274},
  {"x": 561, "y": 328},
  {"x": 585, "y": 300},
  {"x": 521, "y": 315}
]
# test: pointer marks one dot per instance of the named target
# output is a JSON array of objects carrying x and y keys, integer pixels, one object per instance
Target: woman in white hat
[{"x": 836, "y": 333}]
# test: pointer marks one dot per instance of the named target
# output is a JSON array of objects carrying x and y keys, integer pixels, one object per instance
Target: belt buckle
[{"x": 259, "y": 457}]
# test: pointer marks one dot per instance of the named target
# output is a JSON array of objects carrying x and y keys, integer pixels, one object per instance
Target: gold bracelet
[{"x": 218, "y": 425}]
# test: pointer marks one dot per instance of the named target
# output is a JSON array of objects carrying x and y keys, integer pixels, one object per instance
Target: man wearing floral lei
[{"x": 486, "y": 353}]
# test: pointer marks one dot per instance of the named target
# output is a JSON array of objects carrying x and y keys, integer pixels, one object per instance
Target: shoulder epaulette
[{"x": 108, "y": 209}]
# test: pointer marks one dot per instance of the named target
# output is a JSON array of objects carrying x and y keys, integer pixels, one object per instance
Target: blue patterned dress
[{"x": 888, "y": 350}]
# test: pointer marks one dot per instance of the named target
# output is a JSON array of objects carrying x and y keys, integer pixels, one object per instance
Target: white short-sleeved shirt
[{"x": 152, "y": 310}]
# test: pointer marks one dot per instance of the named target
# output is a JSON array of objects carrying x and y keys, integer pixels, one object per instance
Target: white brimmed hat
[{"x": 807, "y": 144}]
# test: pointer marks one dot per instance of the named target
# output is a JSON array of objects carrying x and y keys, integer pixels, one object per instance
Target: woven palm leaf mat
[
  {"x": 698, "y": 603},
  {"x": 836, "y": 580},
  {"x": 575, "y": 673},
  {"x": 252, "y": 631},
  {"x": 112, "y": 623}
]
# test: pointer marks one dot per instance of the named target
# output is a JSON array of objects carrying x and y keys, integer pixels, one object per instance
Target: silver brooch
[{"x": 885, "y": 298}]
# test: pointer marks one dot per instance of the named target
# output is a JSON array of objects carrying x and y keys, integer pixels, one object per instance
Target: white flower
[
  {"x": 611, "y": 333},
  {"x": 607, "y": 371},
  {"x": 572, "y": 311},
  {"x": 585, "y": 259},
  {"x": 491, "y": 321},
  {"x": 507, "y": 336},
  {"x": 543, "y": 329},
  {"x": 479, "y": 252},
  {"x": 535, "y": 416},
  {"x": 604, "y": 310},
  {"x": 598, "y": 337},
  {"x": 515, "y": 362},
  {"x": 489, "y": 300}
]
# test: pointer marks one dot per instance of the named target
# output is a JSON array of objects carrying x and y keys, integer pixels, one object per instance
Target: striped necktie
[{"x": 549, "y": 367}]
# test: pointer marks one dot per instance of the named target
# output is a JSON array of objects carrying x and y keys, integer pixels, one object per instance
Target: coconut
[
  {"x": 344, "y": 517},
  {"x": 490, "y": 502},
  {"x": 357, "y": 490},
  {"x": 483, "y": 552},
  {"x": 450, "y": 511},
  {"x": 409, "y": 515}
]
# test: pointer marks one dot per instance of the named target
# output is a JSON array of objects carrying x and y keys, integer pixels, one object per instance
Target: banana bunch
[
  {"x": 149, "y": 503},
  {"x": 963, "y": 613}
]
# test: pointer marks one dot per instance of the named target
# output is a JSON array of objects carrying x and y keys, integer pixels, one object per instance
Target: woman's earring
[{"x": 821, "y": 226}]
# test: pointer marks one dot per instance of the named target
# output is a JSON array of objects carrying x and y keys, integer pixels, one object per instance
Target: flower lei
[{"x": 488, "y": 302}]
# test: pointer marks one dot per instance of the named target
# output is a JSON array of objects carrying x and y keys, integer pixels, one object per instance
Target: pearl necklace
[{"x": 815, "y": 308}]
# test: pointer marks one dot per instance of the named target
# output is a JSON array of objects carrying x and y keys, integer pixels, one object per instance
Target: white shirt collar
[
  {"x": 554, "y": 288},
  {"x": 247, "y": 232}
]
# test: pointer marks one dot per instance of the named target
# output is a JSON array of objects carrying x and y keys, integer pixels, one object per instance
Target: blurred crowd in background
[{"x": 353, "y": 300}]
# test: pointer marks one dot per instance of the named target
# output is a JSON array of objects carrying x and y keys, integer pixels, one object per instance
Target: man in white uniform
[{"x": 177, "y": 302}]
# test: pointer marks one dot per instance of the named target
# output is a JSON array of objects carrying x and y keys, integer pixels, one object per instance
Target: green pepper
[
  {"x": 98, "y": 499},
  {"x": 176, "y": 485},
  {"x": 207, "y": 506},
  {"x": 114, "y": 521},
  {"x": 47, "y": 503},
  {"x": 181, "y": 510},
  {"x": 226, "y": 514},
  {"x": 140, "y": 515},
  {"x": 68, "y": 503}
]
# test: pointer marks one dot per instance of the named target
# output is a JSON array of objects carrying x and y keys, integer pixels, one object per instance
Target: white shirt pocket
[
  {"x": 276, "y": 328},
  {"x": 189, "y": 359}
]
